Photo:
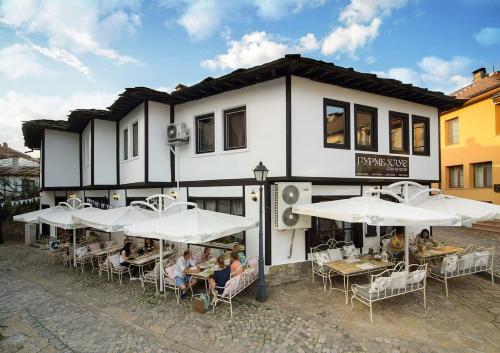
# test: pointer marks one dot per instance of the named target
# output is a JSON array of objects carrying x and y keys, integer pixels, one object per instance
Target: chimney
[
  {"x": 5, "y": 145},
  {"x": 478, "y": 74}
]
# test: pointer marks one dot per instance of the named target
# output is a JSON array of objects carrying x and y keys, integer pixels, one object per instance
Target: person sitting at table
[
  {"x": 125, "y": 256},
  {"x": 235, "y": 264},
  {"x": 206, "y": 254},
  {"x": 425, "y": 238},
  {"x": 397, "y": 244},
  {"x": 220, "y": 276},
  {"x": 183, "y": 270},
  {"x": 241, "y": 255},
  {"x": 149, "y": 245}
]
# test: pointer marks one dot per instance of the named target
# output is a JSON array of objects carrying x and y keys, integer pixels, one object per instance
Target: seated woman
[
  {"x": 125, "y": 255},
  {"x": 425, "y": 238},
  {"x": 206, "y": 254},
  {"x": 220, "y": 276},
  {"x": 241, "y": 255},
  {"x": 149, "y": 245},
  {"x": 235, "y": 264},
  {"x": 397, "y": 244}
]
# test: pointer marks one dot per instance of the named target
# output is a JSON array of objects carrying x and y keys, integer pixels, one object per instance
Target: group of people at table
[
  {"x": 186, "y": 265},
  {"x": 397, "y": 242}
]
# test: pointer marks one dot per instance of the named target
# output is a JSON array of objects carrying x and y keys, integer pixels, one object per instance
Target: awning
[
  {"x": 469, "y": 211},
  {"x": 32, "y": 217},
  {"x": 62, "y": 217},
  {"x": 194, "y": 226},
  {"x": 114, "y": 220},
  {"x": 376, "y": 212}
]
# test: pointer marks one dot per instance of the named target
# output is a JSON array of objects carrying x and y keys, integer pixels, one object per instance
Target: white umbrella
[
  {"x": 469, "y": 211},
  {"x": 377, "y": 212},
  {"x": 194, "y": 226},
  {"x": 32, "y": 217},
  {"x": 113, "y": 220}
]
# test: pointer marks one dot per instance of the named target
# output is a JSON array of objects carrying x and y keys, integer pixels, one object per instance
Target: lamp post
[{"x": 260, "y": 173}]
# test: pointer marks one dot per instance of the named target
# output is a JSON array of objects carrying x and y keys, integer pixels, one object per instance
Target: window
[
  {"x": 125, "y": 144},
  {"x": 235, "y": 129},
  {"x": 421, "y": 135},
  {"x": 482, "y": 175},
  {"x": 336, "y": 123},
  {"x": 452, "y": 131},
  {"x": 398, "y": 129},
  {"x": 135, "y": 140},
  {"x": 456, "y": 176},
  {"x": 86, "y": 149},
  {"x": 365, "y": 120},
  {"x": 205, "y": 133}
]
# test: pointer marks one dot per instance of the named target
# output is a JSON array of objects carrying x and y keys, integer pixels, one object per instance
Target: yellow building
[{"x": 470, "y": 141}]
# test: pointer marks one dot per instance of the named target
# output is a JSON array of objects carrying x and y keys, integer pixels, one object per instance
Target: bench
[
  {"x": 236, "y": 285},
  {"x": 474, "y": 259},
  {"x": 323, "y": 253},
  {"x": 391, "y": 283}
]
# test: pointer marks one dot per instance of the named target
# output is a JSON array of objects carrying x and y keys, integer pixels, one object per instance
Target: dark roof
[
  {"x": 482, "y": 85},
  {"x": 292, "y": 64},
  {"x": 8, "y": 152}
]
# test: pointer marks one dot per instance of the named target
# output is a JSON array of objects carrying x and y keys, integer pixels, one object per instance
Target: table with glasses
[
  {"x": 147, "y": 258},
  {"x": 218, "y": 245},
  {"x": 347, "y": 269},
  {"x": 204, "y": 276},
  {"x": 428, "y": 254}
]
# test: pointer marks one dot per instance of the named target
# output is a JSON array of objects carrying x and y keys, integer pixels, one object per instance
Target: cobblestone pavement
[{"x": 50, "y": 308}]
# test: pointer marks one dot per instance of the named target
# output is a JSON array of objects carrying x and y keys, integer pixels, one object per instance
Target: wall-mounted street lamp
[
  {"x": 116, "y": 196},
  {"x": 173, "y": 194},
  {"x": 260, "y": 173},
  {"x": 253, "y": 195}
]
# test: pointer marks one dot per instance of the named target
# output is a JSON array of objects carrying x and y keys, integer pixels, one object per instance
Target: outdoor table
[
  {"x": 346, "y": 269},
  {"x": 204, "y": 275},
  {"x": 106, "y": 251},
  {"x": 147, "y": 258},
  {"x": 218, "y": 245},
  {"x": 434, "y": 253}
]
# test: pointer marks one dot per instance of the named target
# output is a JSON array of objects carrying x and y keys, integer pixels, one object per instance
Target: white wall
[
  {"x": 87, "y": 155},
  {"x": 132, "y": 169},
  {"x": 159, "y": 150},
  {"x": 62, "y": 156},
  {"x": 311, "y": 158},
  {"x": 265, "y": 117},
  {"x": 105, "y": 152}
]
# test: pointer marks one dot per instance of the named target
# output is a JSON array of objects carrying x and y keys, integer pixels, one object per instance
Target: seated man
[{"x": 182, "y": 272}]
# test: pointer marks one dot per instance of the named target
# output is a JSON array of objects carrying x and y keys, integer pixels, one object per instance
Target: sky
[{"x": 60, "y": 55}]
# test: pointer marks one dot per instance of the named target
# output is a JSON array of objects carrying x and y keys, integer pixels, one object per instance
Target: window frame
[
  {"x": 406, "y": 138},
  {"x": 427, "y": 136},
  {"x": 196, "y": 120},
  {"x": 447, "y": 123},
  {"x": 347, "y": 123},
  {"x": 125, "y": 144},
  {"x": 485, "y": 180},
  {"x": 225, "y": 125},
  {"x": 450, "y": 186},
  {"x": 135, "y": 139},
  {"x": 374, "y": 126}
]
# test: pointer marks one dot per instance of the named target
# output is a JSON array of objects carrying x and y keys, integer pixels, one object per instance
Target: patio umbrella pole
[
  {"x": 74, "y": 247},
  {"x": 161, "y": 265}
]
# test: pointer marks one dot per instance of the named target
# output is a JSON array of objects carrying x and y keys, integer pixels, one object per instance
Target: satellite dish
[
  {"x": 290, "y": 218},
  {"x": 290, "y": 194}
]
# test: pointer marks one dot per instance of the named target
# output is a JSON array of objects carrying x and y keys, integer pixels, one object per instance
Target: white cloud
[
  {"x": 17, "y": 107},
  {"x": 19, "y": 61},
  {"x": 253, "y": 49},
  {"x": 278, "y": 9},
  {"x": 488, "y": 36},
  {"x": 361, "y": 20},
  {"x": 72, "y": 27},
  {"x": 433, "y": 73},
  {"x": 201, "y": 19},
  {"x": 63, "y": 56},
  {"x": 309, "y": 42}
]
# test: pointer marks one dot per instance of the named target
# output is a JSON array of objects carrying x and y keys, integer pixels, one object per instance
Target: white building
[
  {"x": 333, "y": 130},
  {"x": 17, "y": 171}
]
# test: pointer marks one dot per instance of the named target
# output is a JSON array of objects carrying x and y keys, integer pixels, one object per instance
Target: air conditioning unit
[
  {"x": 287, "y": 195},
  {"x": 177, "y": 134}
]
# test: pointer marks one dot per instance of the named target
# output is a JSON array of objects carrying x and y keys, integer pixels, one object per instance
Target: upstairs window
[
  {"x": 205, "y": 134},
  {"x": 86, "y": 149},
  {"x": 125, "y": 144},
  {"x": 456, "y": 176},
  {"x": 421, "y": 135},
  {"x": 483, "y": 175},
  {"x": 336, "y": 123},
  {"x": 452, "y": 131},
  {"x": 235, "y": 129},
  {"x": 135, "y": 139},
  {"x": 398, "y": 133},
  {"x": 365, "y": 120}
]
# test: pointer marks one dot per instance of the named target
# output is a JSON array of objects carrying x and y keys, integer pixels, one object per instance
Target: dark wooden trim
[
  {"x": 146, "y": 141},
  {"x": 215, "y": 197},
  {"x": 267, "y": 224},
  {"x": 244, "y": 108},
  {"x": 347, "y": 123},
  {"x": 427, "y": 147},
  {"x": 374, "y": 127},
  {"x": 406, "y": 138},
  {"x": 439, "y": 149},
  {"x": 172, "y": 155},
  {"x": 118, "y": 153},
  {"x": 196, "y": 119},
  {"x": 80, "y": 155},
  {"x": 244, "y": 201},
  {"x": 92, "y": 146},
  {"x": 43, "y": 159},
  {"x": 288, "y": 112}
]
